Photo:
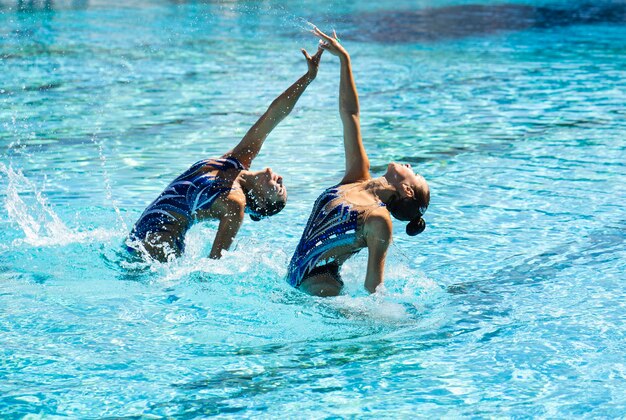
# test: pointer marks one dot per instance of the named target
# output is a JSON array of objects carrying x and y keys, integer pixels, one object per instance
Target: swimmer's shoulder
[
  {"x": 232, "y": 204},
  {"x": 235, "y": 162},
  {"x": 225, "y": 163},
  {"x": 378, "y": 225}
]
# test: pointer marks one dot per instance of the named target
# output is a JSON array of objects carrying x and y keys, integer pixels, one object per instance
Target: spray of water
[
  {"x": 37, "y": 220},
  {"x": 302, "y": 23}
]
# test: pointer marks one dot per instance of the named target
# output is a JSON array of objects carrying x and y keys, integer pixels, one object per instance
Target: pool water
[{"x": 510, "y": 304}]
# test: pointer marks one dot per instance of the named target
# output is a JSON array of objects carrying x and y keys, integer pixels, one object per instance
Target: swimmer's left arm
[
  {"x": 227, "y": 230},
  {"x": 250, "y": 145},
  {"x": 378, "y": 237}
]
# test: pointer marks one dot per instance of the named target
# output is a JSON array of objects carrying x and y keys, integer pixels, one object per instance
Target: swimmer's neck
[
  {"x": 246, "y": 179},
  {"x": 380, "y": 188}
]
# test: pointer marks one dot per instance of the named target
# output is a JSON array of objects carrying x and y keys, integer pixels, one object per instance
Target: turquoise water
[{"x": 511, "y": 304}]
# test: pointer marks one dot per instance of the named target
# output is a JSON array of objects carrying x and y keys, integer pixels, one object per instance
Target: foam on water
[{"x": 255, "y": 267}]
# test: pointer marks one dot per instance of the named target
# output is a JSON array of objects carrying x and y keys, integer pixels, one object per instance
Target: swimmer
[
  {"x": 222, "y": 189},
  {"x": 355, "y": 213}
]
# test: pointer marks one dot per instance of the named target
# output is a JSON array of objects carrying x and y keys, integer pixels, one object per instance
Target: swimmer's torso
[
  {"x": 191, "y": 197},
  {"x": 335, "y": 230}
]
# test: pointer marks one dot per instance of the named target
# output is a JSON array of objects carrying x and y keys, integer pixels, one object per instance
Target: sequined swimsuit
[
  {"x": 328, "y": 227},
  {"x": 195, "y": 189}
]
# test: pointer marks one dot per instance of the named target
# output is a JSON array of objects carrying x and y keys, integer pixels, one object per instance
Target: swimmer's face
[
  {"x": 269, "y": 192},
  {"x": 412, "y": 189},
  {"x": 271, "y": 188},
  {"x": 401, "y": 176}
]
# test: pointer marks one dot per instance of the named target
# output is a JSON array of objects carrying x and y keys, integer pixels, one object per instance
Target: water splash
[
  {"x": 304, "y": 24},
  {"x": 38, "y": 221}
]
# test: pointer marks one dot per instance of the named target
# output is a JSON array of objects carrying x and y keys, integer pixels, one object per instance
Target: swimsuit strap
[{"x": 221, "y": 164}]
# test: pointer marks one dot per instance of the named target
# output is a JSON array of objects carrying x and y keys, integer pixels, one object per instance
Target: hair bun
[{"x": 415, "y": 226}]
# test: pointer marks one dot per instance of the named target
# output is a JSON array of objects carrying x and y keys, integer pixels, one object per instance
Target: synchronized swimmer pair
[{"x": 347, "y": 217}]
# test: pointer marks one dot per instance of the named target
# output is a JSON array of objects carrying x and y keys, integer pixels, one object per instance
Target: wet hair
[
  {"x": 411, "y": 209},
  {"x": 415, "y": 226},
  {"x": 258, "y": 209}
]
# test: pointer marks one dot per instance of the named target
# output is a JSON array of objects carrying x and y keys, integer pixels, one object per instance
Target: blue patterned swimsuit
[
  {"x": 328, "y": 227},
  {"x": 195, "y": 189}
]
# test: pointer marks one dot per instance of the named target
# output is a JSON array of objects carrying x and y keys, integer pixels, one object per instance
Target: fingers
[
  {"x": 306, "y": 54},
  {"x": 335, "y": 35},
  {"x": 321, "y": 34},
  {"x": 324, "y": 45},
  {"x": 319, "y": 52}
]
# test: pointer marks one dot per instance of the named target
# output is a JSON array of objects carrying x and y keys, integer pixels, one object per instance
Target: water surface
[{"x": 510, "y": 304}]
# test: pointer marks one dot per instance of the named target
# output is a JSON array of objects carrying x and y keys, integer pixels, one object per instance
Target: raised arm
[
  {"x": 357, "y": 163},
  {"x": 250, "y": 145}
]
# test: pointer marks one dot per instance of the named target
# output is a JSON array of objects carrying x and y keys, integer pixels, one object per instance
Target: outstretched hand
[
  {"x": 313, "y": 62},
  {"x": 330, "y": 44}
]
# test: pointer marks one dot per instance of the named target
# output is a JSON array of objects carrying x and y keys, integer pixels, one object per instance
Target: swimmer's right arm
[
  {"x": 378, "y": 237},
  {"x": 229, "y": 225},
  {"x": 250, "y": 146},
  {"x": 357, "y": 162}
]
